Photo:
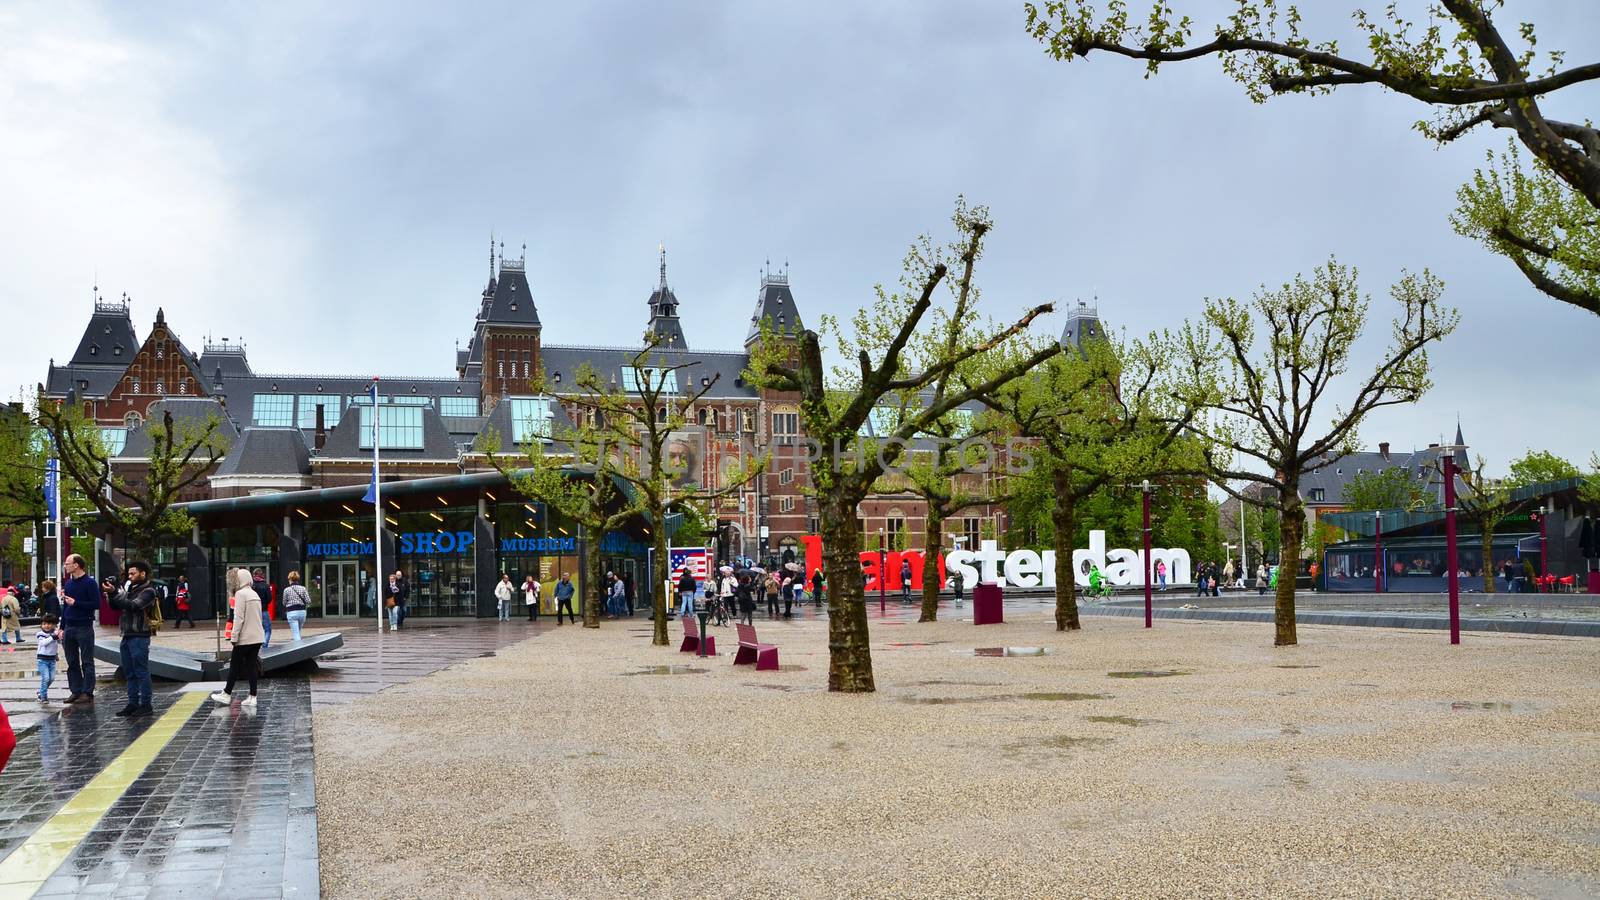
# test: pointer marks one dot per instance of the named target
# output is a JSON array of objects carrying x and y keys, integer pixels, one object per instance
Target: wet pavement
[{"x": 199, "y": 799}]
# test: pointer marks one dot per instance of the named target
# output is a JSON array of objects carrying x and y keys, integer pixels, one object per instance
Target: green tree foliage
[
  {"x": 1455, "y": 59},
  {"x": 1485, "y": 501},
  {"x": 1098, "y": 416},
  {"x": 834, "y": 411},
  {"x": 1539, "y": 466},
  {"x": 181, "y": 454},
  {"x": 1391, "y": 488},
  {"x": 1259, "y": 369}
]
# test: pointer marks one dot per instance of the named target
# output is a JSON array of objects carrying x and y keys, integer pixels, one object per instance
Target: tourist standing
[
  {"x": 502, "y": 597},
  {"x": 134, "y": 605},
  {"x": 746, "y": 594},
  {"x": 49, "y": 600},
  {"x": 402, "y": 596},
  {"x": 10, "y": 618},
  {"x": 905, "y": 582},
  {"x": 727, "y": 591},
  {"x": 1261, "y": 579},
  {"x": 685, "y": 593},
  {"x": 47, "y": 643},
  {"x": 786, "y": 588},
  {"x": 258, "y": 583},
  {"x": 181, "y": 601},
  {"x": 771, "y": 582},
  {"x": 82, "y": 600},
  {"x": 392, "y": 601},
  {"x": 564, "y": 591},
  {"x": 817, "y": 582},
  {"x": 956, "y": 584},
  {"x": 530, "y": 597},
  {"x": 619, "y": 598},
  {"x": 248, "y": 639},
  {"x": 295, "y": 601},
  {"x": 1161, "y": 574}
]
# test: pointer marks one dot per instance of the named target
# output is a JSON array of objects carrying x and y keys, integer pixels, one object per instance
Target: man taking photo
[
  {"x": 134, "y": 603},
  {"x": 80, "y": 603}
]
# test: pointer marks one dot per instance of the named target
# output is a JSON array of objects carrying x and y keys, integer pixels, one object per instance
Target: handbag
[{"x": 391, "y": 603}]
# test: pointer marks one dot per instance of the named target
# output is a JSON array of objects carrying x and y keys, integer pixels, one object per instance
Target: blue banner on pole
[
  {"x": 52, "y": 485},
  {"x": 372, "y": 487}
]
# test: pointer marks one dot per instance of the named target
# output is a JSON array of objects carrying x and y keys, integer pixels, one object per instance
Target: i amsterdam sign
[{"x": 1019, "y": 568}]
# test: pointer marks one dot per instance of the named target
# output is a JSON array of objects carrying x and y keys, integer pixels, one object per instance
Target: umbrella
[
  {"x": 792, "y": 566},
  {"x": 757, "y": 570},
  {"x": 726, "y": 570}
]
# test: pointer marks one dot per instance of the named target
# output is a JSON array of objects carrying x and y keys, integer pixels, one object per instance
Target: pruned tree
[
  {"x": 1456, "y": 60},
  {"x": 833, "y": 411},
  {"x": 1485, "y": 501},
  {"x": 181, "y": 454},
  {"x": 1097, "y": 416},
  {"x": 1538, "y": 467},
  {"x": 642, "y": 422},
  {"x": 1263, "y": 370}
]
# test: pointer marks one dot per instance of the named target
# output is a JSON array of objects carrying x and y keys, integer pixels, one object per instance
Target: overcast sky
[{"x": 321, "y": 180}]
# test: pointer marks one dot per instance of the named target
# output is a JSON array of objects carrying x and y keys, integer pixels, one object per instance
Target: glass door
[{"x": 340, "y": 593}]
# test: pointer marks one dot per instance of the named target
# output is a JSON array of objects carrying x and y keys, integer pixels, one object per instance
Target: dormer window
[
  {"x": 116, "y": 351},
  {"x": 556, "y": 378},
  {"x": 94, "y": 350}
]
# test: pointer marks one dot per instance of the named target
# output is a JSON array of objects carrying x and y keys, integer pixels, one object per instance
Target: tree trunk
[
  {"x": 1290, "y": 531},
  {"x": 849, "y": 650},
  {"x": 1488, "y": 557},
  {"x": 658, "y": 572},
  {"x": 930, "y": 563},
  {"x": 590, "y": 589},
  {"x": 1063, "y": 517}
]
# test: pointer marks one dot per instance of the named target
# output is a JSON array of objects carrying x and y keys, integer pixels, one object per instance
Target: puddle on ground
[
  {"x": 1301, "y": 666},
  {"x": 1054, "y": 742},
  {"x": 1490, "y": 706},
  {"x": 1130, "y": 721},
  {"x": 771, "y": 687},
  {"x": 1063, "y": 695},
  {"x": 590, "y": 754},
  {"x": 1361, "y": 684},
  {"x": 1001, "y": 698},
  {"x": 1148, "y": 673},
  {"x": 1005, "y": 651},
  {"x": 668, "y": 670},
  {"x": 788, "y": 668},
  {"x": 838, "y": 745},
  {"x": 936, "y": 681}
]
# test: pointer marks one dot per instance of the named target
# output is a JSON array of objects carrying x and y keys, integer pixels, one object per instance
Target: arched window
[{"x": 133, "y": 420}]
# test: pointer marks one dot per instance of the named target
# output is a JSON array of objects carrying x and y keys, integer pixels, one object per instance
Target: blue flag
[
  {"x": 52, "y": 485},
  {"x": 372, "y": 488}
]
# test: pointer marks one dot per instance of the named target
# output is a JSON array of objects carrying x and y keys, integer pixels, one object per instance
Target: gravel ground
[{"x": 1364, "y": 762}]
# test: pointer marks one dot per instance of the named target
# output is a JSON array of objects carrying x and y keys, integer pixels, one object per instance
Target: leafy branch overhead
[{"x": 1455, "y": 58}]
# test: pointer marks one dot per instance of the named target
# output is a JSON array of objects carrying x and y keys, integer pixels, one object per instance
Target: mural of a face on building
[{"x": 684, "y": 450}]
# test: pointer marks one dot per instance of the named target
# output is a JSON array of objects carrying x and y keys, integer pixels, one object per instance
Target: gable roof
[
  {"x": 267, "y": 451},
  {"x": 190, "y": 409},
  {"x": 775, "y": 304},
  {"x": 512, "y": 303},
  {"x": 109, "y": 338}
]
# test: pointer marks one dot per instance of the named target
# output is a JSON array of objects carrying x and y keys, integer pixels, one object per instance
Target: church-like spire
[{"x": 664, "y": 322}]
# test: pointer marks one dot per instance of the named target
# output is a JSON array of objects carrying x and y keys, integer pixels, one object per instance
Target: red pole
[
  {"x": 1544, "y": 548},
  {"x": 1377, "y": 553},
  {"x": 1147, "y": 613},
  {"x": 1450, "y": 544},
  {"x": 882, "y": 575}
]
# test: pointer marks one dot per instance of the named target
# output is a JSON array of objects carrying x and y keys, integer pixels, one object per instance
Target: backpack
[{"x": 154, "y": 613}]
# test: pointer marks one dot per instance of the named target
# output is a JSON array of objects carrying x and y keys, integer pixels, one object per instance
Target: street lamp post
[
  {"x": 883, "y": 563},
  {"x": 1544, "y": 538},
  {"x": 1144, "y": 488},
  {"x": 1449, "y": 454},
  {"x": 1377, "y": 550}
]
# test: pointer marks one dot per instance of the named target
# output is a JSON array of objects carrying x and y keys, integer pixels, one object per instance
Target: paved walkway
[{"x": 198, "y": 800}]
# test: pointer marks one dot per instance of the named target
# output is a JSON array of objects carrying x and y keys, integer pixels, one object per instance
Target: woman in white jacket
[{"x": 248, "y": 636}]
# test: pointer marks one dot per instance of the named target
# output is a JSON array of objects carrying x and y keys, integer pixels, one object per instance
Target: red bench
[
  {"x": 691, "y": 638},
  {"x": 765, "y": 656}
]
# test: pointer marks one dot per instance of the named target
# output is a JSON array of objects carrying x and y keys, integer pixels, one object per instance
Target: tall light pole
[
  {"x": 1449, "y": 454},
  {"x": 1144, "y": 488},
  {"x": 1244, "y": 545},
  {"x": 1377, "y": 550},
  {"x": 1544, "y": 538}
]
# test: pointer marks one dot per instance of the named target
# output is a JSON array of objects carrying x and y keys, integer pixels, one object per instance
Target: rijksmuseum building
[{"x": 287, "y": 495}]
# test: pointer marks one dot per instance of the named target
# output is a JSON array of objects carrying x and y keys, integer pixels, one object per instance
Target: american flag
[{"x": 692, "y": 557}]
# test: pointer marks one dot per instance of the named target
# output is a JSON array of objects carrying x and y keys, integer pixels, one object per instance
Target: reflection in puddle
[
  {"x": 1064, "y": 695},
  {"x": 1296, "y": 667},
  {"x": 668, "y": 670},
  {"x": 1007, "y": 651},
  {"x": 1148, "y": 673},
  {"x": 1054, "y": 742},
  {"x": 933, "y": 681},
  {"x": 1000, "y": 698},
  {"x": 1125, "y": 720},
  {"x": 788, "y": 668},
  {"x": 1491, "y": 706}
]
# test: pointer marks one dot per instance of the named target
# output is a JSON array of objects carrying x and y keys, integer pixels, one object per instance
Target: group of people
[
  {"x": 737, "y": 594},
  {"x": 532, "y": 592}
]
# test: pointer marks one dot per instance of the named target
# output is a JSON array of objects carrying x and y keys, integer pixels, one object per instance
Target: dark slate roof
[
  {"x": 1421, "y": 466},
  {"x": 194, "y": 409},
  {"x": 344, "y": 440},
  {"x": 664, "y": 321},
  {"x": 267, "y": 451},
  {"x": 512, "y": 303},
  {"x": 230, "y": 358},
  {"x": 606, "y": 361},
  {"x": 109, "y": 338},
  {"x": 775, "y": 303},
  {"x": 1083, "y": 321},
  {"x": 100, "y": 380}
]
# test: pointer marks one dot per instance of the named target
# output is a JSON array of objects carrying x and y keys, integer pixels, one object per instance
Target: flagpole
[{"x": 377, "y": 512}]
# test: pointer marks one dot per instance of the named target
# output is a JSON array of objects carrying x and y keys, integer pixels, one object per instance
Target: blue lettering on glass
[
  {"x": 539, "y": 545},
  {"x": 409, "y": 543}
]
